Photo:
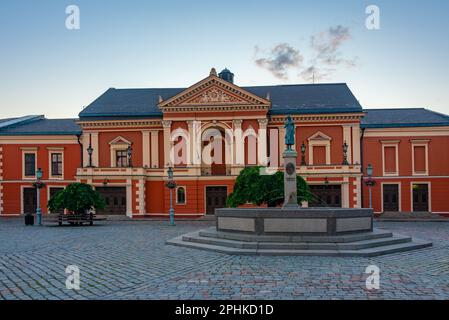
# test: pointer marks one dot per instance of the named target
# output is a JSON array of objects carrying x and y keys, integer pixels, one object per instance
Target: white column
[
  {"x": 167, "y": 143},
  {"x": 345, "y": 193},
  {"x": 146, "y": 148},
  {"x": 142, "y": 203},
  {"x": 85, "y": 139},
  {"x": 281, "y": 144},
  {"x": 129, "y": 198},
  {"x": 154, "y": 149},
  {"x": 262, "y": 157},
  {"x": 239, "y": 145},
  {"x": 95, "y": 146},
  {"x": 356, "y": 156},
  {"x": 347, "y": 139}
]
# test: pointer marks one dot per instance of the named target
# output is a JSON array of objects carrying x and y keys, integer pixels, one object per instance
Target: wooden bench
[{"x": 77, "y": 219}]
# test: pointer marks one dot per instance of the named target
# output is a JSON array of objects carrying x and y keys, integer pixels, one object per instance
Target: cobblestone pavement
[{"x": 129, "y": 260}]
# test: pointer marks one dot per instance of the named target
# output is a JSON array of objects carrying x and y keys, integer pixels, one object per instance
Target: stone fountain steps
[
  {"x": 371, "y": 245},
  {"x": 375, "y": 234}
]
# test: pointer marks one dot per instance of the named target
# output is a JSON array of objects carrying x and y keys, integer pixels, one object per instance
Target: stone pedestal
[{"x": 290, "y": 190}]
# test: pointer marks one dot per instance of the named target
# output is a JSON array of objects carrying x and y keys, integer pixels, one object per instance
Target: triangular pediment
[
  {"x": 120, "y": 140},
  {"x": 213, "y": 91},
  {"x": 319, "y": 136}
]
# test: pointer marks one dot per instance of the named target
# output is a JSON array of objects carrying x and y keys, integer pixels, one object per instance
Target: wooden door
[
  {"x": 215, "y": 198},
  {"x": 420, "y": 197},
  {"x": 115, "y": 198},
  {"x": 391, "y": 197},
  {"x": 29, "y": 200},
  {"x": 326, "y": 196}
]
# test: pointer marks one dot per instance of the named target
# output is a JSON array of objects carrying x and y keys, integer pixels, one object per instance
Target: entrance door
[
  {"x": 29, "y": 200},
  {"x": 391, "y": 197},
  {"x": 215, "y": 198},
  {"x": 53, "y": 191},
  {"x": 420, "y": 197},
  {"x": 326, "y": 196},
  {"x": 115, "y": 198}
]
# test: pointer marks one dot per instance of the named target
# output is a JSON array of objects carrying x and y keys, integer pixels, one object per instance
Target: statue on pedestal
[
  {"x": 289, "y": 155},
  {"x": 289, "y": 133}
]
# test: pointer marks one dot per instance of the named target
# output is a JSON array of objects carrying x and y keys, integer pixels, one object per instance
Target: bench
[{"x": 77, "y": 219}]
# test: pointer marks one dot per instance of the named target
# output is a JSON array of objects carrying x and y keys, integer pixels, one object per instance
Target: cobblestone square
[{"x": 129, "y": 260}]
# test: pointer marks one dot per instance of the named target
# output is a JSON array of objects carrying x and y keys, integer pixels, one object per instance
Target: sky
[{"x": 46, "y": 68}]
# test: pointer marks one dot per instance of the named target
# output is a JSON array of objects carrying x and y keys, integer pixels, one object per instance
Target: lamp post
[
  {"x": 39, "y": 185},
  {"x": 171, "y": 184},
  {"x": 303, "y": 154},
  {"x": 90, "y": 151},
  {"x": 370, "y": 182}
]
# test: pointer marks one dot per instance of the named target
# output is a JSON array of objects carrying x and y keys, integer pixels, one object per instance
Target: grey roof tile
[
  {"x": 403, "y": 117},
  {"x": 286, "y": 99}
]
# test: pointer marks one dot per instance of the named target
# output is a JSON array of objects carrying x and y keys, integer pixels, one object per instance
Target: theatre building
[{"x": 124, "y": 142}]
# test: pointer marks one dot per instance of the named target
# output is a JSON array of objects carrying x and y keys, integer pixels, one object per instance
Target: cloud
[
  {"x": 326, "y": 45},
  {"x": 280, "y": 59},
  {"x": 326, "y": 56}
]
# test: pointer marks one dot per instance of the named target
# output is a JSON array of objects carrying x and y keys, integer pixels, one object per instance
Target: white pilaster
[
  {"x": 281, "y": 144},
  {"x": 154, "y": 149},
  {"x": 168, "y": 161},
  {"x": 356, "y": 156},
  {"x": 239, "y": 145},
  {"x": 347, "y": 139},
  {"x": 146, "y": 148},
  {"x": 95, "y": 147},
  {"x": 129, "y": 198},
  {"x": 345, "y": 193},
  {"x": 262, "y": 157}
]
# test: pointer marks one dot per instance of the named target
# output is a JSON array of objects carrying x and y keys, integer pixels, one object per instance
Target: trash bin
[{"x": 29, "y": 219}]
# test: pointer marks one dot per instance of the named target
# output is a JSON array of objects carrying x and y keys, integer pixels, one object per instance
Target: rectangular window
[
  {"x": 390, "y": 160},
  {"x": 419, "y": 154},
  {"x": 30, "y": 164},
  {"x": 122, "y": 158},
  {"x": 319, "y": 155},
  {"x": 56, "y": 164}
]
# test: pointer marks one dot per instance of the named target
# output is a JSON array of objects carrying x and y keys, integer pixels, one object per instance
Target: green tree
[
  {"x": 252, "y": 187},
  {"x": 77, "y": 198}
]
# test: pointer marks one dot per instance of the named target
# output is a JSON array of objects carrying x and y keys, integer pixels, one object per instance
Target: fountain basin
[{"x": 294, "y": 221}]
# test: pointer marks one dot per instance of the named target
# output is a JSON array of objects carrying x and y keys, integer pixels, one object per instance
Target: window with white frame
[
  {"x": 181, "y": 195},
  {"x": 420, "y": 157},
  {"x": 29, "y": 164},
  {"x": 56, "y": 164}
]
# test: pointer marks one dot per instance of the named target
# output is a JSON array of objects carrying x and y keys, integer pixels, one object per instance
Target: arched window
[{"x": 181, "y": 195}]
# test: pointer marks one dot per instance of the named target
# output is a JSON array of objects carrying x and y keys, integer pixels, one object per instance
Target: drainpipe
[{"x": 81, "y": 149}]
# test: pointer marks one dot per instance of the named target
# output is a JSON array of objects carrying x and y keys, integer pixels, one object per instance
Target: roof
[
  {"x": 286, "y": 99},
  {"x": 403, "y": 117},
  {"x": 38, "y": 125}
]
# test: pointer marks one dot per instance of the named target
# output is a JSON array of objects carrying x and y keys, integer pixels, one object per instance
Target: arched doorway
[{"x": 215, "y": 158}]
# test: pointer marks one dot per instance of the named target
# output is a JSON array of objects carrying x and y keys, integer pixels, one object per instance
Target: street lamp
[
  {"x": 39, "y": 185},
  {"x": 370, "y": 182},
  {"x": 130, "y": 154},
  {"x": 90, "y": 151},
  {"x": 171, "y": 184},
  {"x": 303, "y": 154}
]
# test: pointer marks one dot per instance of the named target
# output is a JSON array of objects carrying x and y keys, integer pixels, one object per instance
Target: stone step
[
  {"x": 367, "y": 252},
  {"x": 345, "y": 238},
  {"x": 356, "y": 245}
]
